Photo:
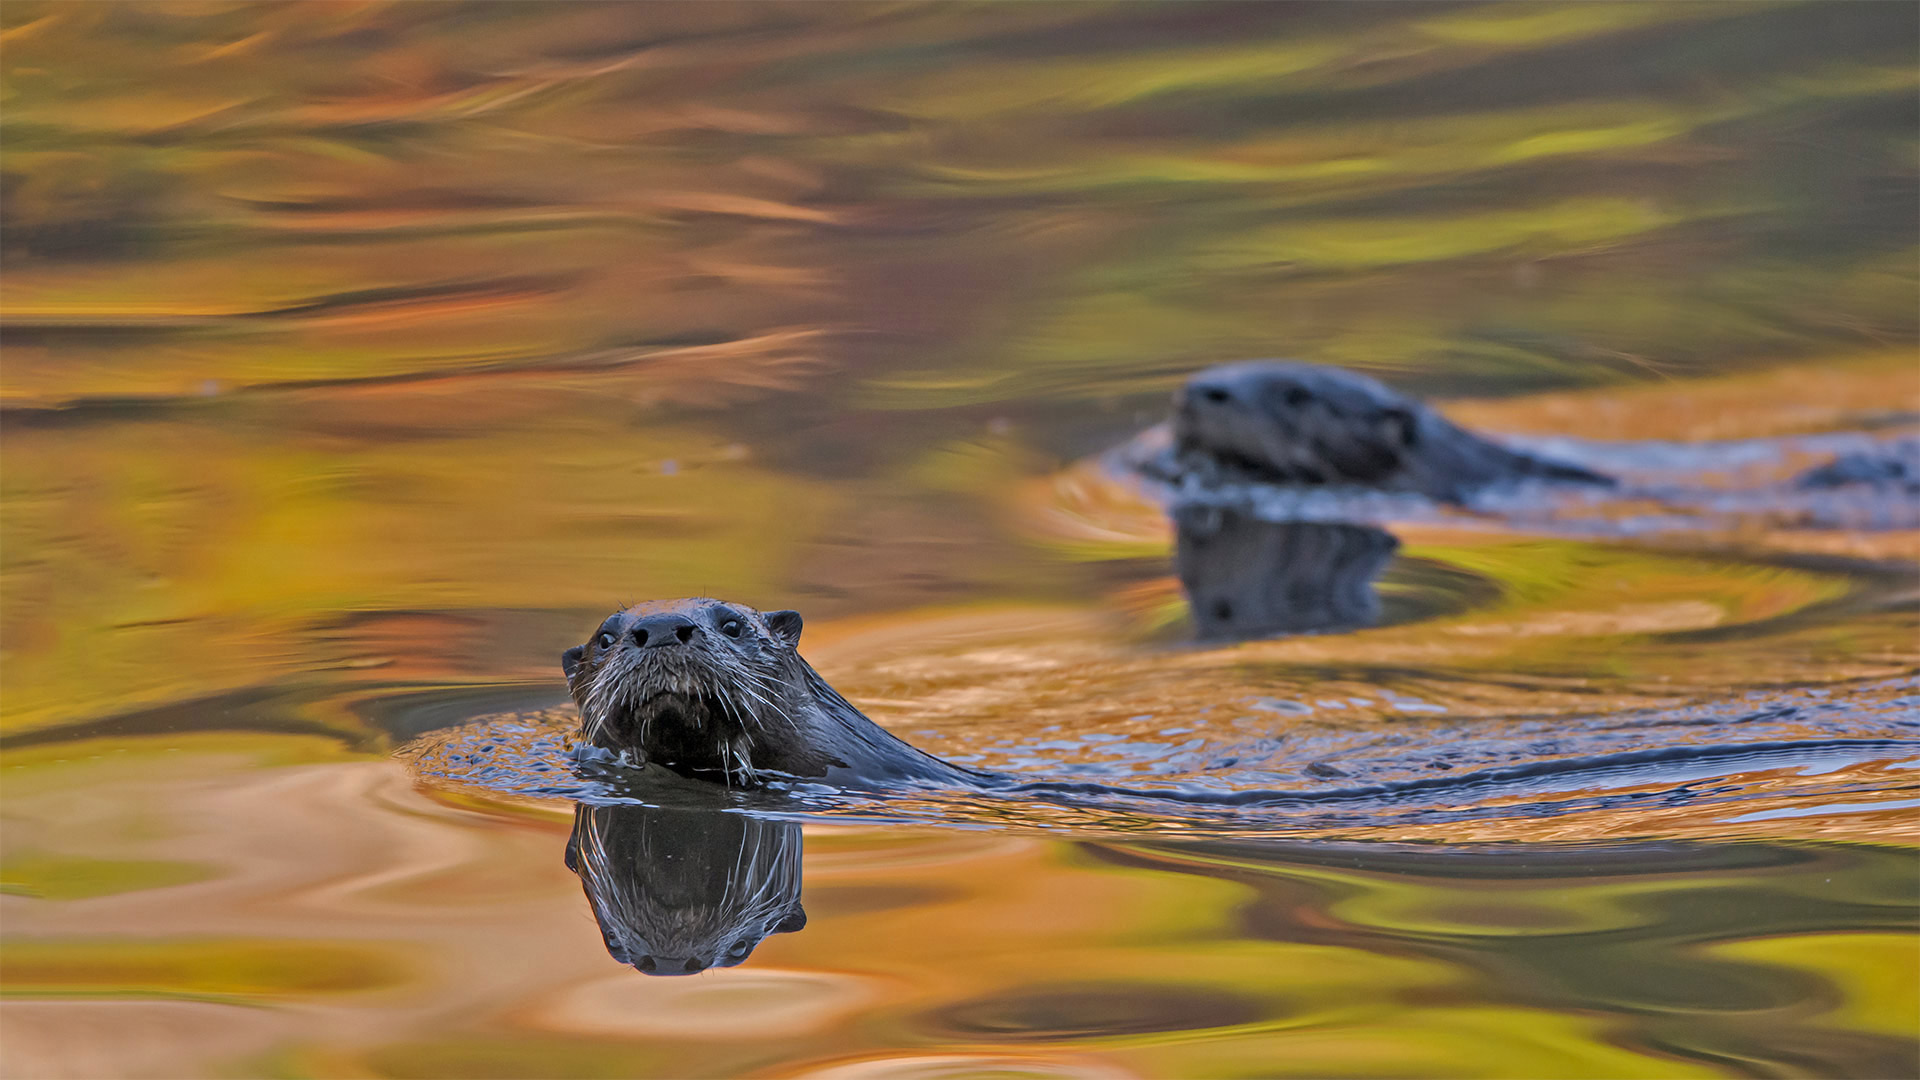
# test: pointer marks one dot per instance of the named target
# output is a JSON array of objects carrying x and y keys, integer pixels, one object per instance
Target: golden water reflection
[
  {"x": 468, "y": 950},
  {"x": 358, "y": 357}
]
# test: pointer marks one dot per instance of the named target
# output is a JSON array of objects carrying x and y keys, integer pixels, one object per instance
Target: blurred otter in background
[
  {"x": 677, "y": 891},
  {"x": 1248, "y": 578},
  {"x": 1893, "y": 467},
  {"x": 1275, "y": 422}
]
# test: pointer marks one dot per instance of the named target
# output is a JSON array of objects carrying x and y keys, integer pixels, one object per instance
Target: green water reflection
[
  {"x": 397, "y": 934},
  {"x": 358, "y": 357}
]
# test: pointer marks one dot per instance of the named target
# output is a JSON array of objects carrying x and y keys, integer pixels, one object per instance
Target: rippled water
[{"x": 357, "y": 360}]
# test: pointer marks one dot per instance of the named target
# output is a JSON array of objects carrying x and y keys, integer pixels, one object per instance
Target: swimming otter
[
  {"x": 1290, "y": 423},
  {"x": 715, "y": 690}
]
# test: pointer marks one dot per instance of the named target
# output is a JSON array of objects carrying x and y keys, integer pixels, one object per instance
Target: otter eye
[
  {"x": 606, "y": 641},
  {"x": 1215, "y": 395},
  {"x": 731, "y": 627}
]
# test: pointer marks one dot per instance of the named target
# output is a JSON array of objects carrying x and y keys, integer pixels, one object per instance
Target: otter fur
[
  {"x": 718, "y": 691},
  {"x": 1277, "y": 422}
]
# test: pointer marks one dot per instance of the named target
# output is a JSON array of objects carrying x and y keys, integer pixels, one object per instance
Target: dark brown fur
[
  {"x": 1303, "y": 424},
  {"x": 719, "y": 691}
]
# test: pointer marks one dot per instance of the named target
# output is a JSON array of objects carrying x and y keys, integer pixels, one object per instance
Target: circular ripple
[{"x": 1094, "y": 1011}]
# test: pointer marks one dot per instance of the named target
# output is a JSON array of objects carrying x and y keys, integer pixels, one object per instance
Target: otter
[
  {"x": 713, "y": 690},
  {"x": 1279, "y": 422},
  {"x": 678, "y": 890},
  {"x": 683, "y": 685}
]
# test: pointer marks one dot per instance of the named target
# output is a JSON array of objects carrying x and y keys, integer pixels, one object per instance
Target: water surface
[{"x": 358, "y": 360}]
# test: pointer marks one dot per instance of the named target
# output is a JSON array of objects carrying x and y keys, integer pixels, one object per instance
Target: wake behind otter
[{"x": 816, "y": 749}]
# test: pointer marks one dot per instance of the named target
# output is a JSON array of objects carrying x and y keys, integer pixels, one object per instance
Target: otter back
[{"x": 1288, "y": 423}]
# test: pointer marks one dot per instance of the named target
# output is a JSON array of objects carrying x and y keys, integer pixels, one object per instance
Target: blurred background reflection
[{"x": 358, "y": 357}]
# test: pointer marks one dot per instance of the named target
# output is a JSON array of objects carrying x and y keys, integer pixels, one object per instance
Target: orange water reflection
[
  {"x": 1129, "y": 957},
  {"x": 358, "y": 357}
]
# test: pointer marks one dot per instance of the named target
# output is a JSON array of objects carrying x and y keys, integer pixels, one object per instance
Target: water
[{"x": 359, "y": 360}]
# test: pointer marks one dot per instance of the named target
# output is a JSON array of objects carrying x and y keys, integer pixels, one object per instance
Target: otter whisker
[
  {"x": 781, "y": 712},
  {"x": 739, "y": 856},
  {"x": 749, "y": 714},
  {"x": 701, "y": 686},
  {"x": 749, "y": 692},
  {"x": 748, "y": 688},
  {"x": 739, "y": 715},
  {"x": 778, "y": 709},
  {"x": 759, "y": 723}
]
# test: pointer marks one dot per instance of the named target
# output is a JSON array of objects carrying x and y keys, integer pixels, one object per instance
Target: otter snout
[{"x": 655, "y": 631}]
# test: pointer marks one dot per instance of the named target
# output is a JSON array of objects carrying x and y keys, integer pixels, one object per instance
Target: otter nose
[{"x": 657, "y": 630}]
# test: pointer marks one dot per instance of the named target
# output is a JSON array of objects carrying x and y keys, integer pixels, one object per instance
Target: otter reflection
[
  {"x": 1248, "y": 578},
  {"x": 679, "y": 890}
]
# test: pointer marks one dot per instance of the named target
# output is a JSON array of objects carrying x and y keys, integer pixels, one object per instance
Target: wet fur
[
  {"x": 736, "y": 709},
  {"x": 1301, "y": 424}
]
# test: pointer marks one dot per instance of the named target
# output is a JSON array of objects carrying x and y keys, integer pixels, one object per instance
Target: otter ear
[
  {"x": 570, "y": 660},
  {"x": 785, "y": 625}
]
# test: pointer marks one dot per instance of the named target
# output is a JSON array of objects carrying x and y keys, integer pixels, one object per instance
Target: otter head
[
  {"x": 699, "y": 686},
  {"x": 1296, "y": 423}
]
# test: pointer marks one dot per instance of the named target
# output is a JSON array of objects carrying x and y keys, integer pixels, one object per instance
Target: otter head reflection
[
  {"x": 1248, "y": 578},
  {"x": 677, "y": 891}
]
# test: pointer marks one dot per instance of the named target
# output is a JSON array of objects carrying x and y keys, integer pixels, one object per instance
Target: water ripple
[{"x": 1761, "y": 758}]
